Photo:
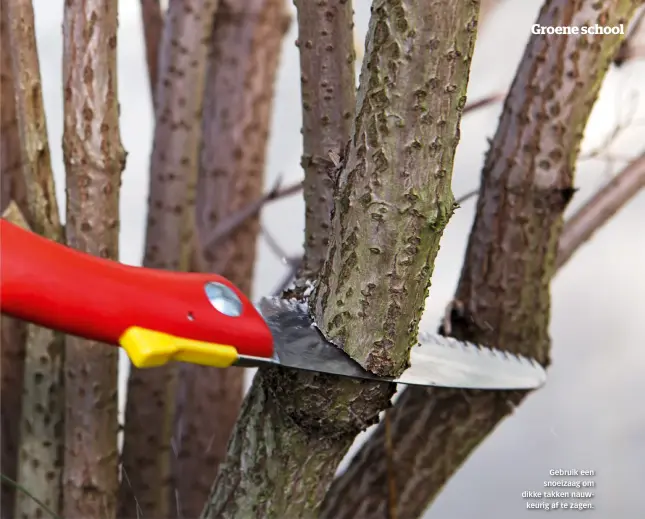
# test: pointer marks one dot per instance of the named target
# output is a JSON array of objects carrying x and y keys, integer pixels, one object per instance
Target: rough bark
[
  {"x": 600, "y": 208},
  {"x": 39, "y": 457},
  {"x": 12, "y": 338},
  {"x": 327, "y": 84},
  {"x": 295, "y": 427},
  {"x": 152, "y": 21},
  {"x": 11, "y": 180},
  {"x": 245, "y": 48},
  {"x": 94, "y": 159},
  {"x": 146, "y": 489},
  {"x": 386, "y": 235},
  {"x": 527, "y": 181},
  {"x": 12, "y": 363}
]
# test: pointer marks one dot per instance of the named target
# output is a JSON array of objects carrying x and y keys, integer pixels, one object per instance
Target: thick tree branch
[
  {"x": 41, "y": 439},
  {"x": 152, "y": 21},
  {"x": 94, "y": 159},
  {"x": 147, "y": 490},
  {"x": 383, "y": 242},
  {"x": 245, "y": 49},
  {"x": 600, "y": 209},
  {"x": 327, "y": 83},
  {"x": 295, "y": 427},
  {"x": 510, "y": 260}
]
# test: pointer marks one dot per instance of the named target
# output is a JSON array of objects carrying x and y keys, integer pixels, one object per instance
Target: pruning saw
[{"x": 159, "y": 316}]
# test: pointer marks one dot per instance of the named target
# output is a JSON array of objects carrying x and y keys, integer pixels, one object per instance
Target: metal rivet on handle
[{"x": 223, "y": 299}]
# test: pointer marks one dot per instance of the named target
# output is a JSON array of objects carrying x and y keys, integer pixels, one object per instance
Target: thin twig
[
  {"x": 293, "y": 262},
  {"x": 466, "y": 196},
  {"x": 233, "y": 222},
  {"x": 484, "y": 101},
  {"x": 600, "y": 208},
  {"x": 587, "y": 220},
  {"x": 230, "y": 224},
  {"x": 9, "y": 481},
  {"x": 274, "y": 246},
  {"x": 294, "y": 267}
]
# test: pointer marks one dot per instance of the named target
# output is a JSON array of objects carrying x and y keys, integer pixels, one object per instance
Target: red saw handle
[{"x": 61, "y": 288}]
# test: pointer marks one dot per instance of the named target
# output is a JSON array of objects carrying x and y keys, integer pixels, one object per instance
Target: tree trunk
[
  {"x": 41, "y": 426},
  {"x": 146, "y": 486},
  {"x": 94, "y": 159},
  {"x": 503, "y": 294},
  {"x": 295, "y": 427},
  {"x": 246, "y": 42}
]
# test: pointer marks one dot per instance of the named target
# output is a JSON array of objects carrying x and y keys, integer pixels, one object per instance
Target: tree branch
[
  {"x": 600, "y": 209},
  {"x": 94, "y": 159},
  {"x": 12, "y": 185},
  {"x": 232, "y": 222},
  {"x": 327, "y": 83},
  {"x": 13, "y": 331},
  {"x": 295, "y": 427},
  {"x": 169, "y": 245},
  {"x": 245, "y": 49},
  {"x": 484, "y": 102},
  {"x": 504, "y": 286},
  {"x": 400, "y": 222},
  {"x": 41, "y": 433},
  {"x": 152, "y": 21}
]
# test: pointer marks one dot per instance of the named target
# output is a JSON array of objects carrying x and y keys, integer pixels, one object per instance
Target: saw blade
[{"x": 436, "y": 360}]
